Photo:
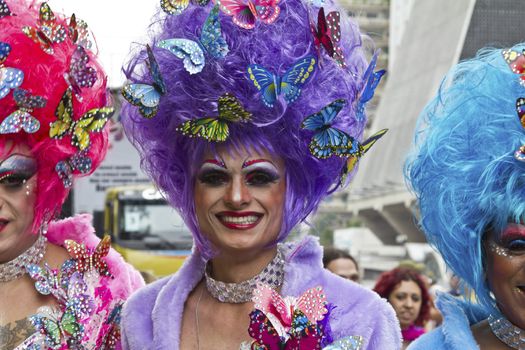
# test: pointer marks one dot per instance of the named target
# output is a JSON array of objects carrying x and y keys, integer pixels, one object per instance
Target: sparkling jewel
[
  {"x": 16, "y": 268},
  {"x": 236, "y": 293},
  {"x": 507, "y": 332}
]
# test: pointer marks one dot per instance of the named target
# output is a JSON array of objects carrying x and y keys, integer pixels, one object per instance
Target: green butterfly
[
  {"x": 57, "y": 328},
  {"x": 216, "y": 128}
]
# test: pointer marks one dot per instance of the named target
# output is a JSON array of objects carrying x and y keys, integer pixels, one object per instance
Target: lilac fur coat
[{"x": 152, "y": 317}]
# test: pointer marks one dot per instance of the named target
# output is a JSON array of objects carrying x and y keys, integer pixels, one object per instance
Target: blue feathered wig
[
  {"x": 463, "y": 169},
  {"x": 172, "y": 159}
]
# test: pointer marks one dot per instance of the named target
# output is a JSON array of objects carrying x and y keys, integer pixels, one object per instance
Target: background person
[{"x": 341, "y": 263}]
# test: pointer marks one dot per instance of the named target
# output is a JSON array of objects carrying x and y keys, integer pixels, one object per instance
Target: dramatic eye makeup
[
  {"x": 260, "y": 172},
  {"x": 513, "y": 238},
  {"x": 16, "y": 169},
  {"x": 213, "y": 173}
]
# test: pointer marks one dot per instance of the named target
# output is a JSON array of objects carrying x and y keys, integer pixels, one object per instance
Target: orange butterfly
[{"x": 88, "y": 259}]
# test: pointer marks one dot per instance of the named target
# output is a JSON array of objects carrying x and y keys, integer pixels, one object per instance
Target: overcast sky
[{"x": 115, "y": 24}]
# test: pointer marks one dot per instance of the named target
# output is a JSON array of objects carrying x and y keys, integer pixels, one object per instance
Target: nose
[
  {"x": 237, "y": 194},
  {"x": 409, "y": 303}
]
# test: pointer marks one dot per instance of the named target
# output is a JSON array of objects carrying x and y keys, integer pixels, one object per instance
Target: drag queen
[
  {"x": 246, "y": 117},
  {"x": 468, "y": 173},
  {"x": 60, "y": 286}
]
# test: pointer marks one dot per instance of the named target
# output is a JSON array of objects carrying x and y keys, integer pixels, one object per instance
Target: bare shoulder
[{"x": 485, "y": 338}]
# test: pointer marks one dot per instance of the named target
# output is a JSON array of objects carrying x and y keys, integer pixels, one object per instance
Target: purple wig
[{"x": 172, "y": 159}]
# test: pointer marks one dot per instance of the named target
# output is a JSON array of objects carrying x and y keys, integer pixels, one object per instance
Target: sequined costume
[{"x": 152, "y": 316}]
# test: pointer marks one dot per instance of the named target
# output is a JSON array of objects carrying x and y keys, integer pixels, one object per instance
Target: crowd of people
[{"x": 247, "y": 115}]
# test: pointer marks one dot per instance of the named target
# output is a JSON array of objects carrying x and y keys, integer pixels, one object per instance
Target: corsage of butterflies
[
  {"x": 370, "y": 81},
  {"x": 80, "y": 74},
  {"x": 10, "y": 78},
  {"x": 516, "y": 62},
  {"x": 520, "y": 109},
  {"x": 48, "y": 32},
  {"x": 272, "y": 85},
  {"x": 78, "y": 162},
  {"x": 246, "y": 12},
  {"x": 287, "y": 323},
  {"x": 192, "y": 52},
  {"x": 216, "y": 129},
  {"x": 147, "y": 96},
  {"x": 21, "y": 119},
  {"x": 4, "y": 9},
  {"x": 176, "y": 7},
  {"x": 88, "y": 259},
  {"x": 93, "y": 120},
  {"x": 328, "y": 35}
]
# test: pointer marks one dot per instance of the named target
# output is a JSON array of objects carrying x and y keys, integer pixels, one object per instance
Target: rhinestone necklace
[
  {"x": 507, "y": 332},
  {"x": 236, "y": 293},
  {"x": 16, "y": 268}
]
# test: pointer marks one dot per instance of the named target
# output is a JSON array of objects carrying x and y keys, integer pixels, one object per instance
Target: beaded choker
[
  {"x": 236, "y": 293},
  {"x": 507, "y": 332},
  {"x": 16, "y": 268}
]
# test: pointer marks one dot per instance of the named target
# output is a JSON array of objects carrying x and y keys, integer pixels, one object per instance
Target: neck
[
  {"x": 18, "y": 248},
  {"x": 235, "y": 268}
]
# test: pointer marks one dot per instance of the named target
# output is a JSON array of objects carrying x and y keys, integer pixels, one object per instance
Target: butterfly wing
[
  {"x": 516, "y": 62},
  {"x": 231, "y": 109},
  {"x": 262, "y": 330},
  {"x": 99, "y": 255},
  {"x": 313, "y": 304},
  {"x": 320, "y": 34},
  {"x": 10, "y": 78},
  {"x": 5, "y": 50},
  {"x": 19, "y": 120},
  {"x": 520, "y": 108},
  {"x": 174, "y": 7},
  {"x": 93, "y": 121},
  {"x": 4, "y": 9},
  {"x": 78, "y": 301},
  {"x": 296, "y": 76},
  {"x": 353, "y": 342},
  {"x": 80, "y": 74},
  {"x": 189, "y": 51},
  {"x": 24, "y": 99},
  {"x": 371, "y": 80},
  {"x": 264, "y": 81},
  {"x": 64, "y": 114},
  {"x": 211, "y": 35},
  {"x": 243, "y": 15},
  {"x": 70, "y": 324},
  {"x": 211, "y": 129},
  {"x": 146, "y": 97},
  {"x": 267, "y": 10},
  {"x": 80, "y": 253}
]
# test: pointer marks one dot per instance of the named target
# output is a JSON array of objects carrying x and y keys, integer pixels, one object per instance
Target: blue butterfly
[
  {"x": 192, "y": 52},
  {"x": 10, "y": 78},
  {"x": 327, "y": 140},
  {"x": 271, "y": 85},
  {"x": 371, "y": 79},
  {"x": 21, "y": 119},
  {"x": 146, "y": 96}
]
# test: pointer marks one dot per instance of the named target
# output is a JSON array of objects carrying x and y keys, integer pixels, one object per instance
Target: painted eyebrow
[
  {"x": 214, "y": 162},
  {"x": 251, "y": 162}
]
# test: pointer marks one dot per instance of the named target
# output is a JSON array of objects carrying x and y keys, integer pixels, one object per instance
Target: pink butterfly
[
  {"x": 80, "y": 74},
  {"x": 280, "y": 311},
  {"x": 245, "y": 12}
]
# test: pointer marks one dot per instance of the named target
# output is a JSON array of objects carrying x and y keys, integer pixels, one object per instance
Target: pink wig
[{"x": 44, "y": 76}]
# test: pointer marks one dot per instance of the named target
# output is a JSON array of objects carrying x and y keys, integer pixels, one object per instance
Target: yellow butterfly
[{"x": 92, "y": 121}]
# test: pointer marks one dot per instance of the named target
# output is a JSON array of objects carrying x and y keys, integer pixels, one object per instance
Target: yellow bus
[{"x": 148, "y": 233}]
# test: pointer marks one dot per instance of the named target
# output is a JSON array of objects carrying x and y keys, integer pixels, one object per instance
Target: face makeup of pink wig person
[
  {"x": 239, "y": 199},
  {"x": 505, "y": 271},
  {"x": 406, "y": 300},
  {"x": 17, "y": 199}
]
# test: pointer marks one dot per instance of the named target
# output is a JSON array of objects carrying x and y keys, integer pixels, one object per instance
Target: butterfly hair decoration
[
  {"x": 48, "y": 32},
  {"x": 516, "y": 62},
  {"x": 216, "y": 129},
  {"x": 176, "y": 7},
  {"x": 90, "y": 259},
  {"x": 79, "y": 33},
  {"x": 359, "y": 151},
  {"x": 58, "y": 327},
  {"x": 246, "y": 12},
  {"x": 80, "y": 74},
  {"x": 370, "y": 81},
  {"x": 520, "y": 109},
  {"x": 21, "y": 119},
  {"x": 328, "y": 35},
  {"x": 287, "y": 323},
  {"x": 327, "y": 140},
  {"x": 10, "y": 78},
  {"x": 192, "y": 52},
  {"x": 4, "y": 9},
  {"x": 272, "y": 85},
  {"x": 78, "y": 162},
  {"x": 147, "y": 96},
  {"x": 92, "y": 121}
]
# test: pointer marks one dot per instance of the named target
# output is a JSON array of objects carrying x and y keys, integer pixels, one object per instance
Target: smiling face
[
  {"x": 239, "y": 199},
  {"x": 406, "y": 300},
  {"x": 505, "y": 270},
  {"x": 17, "y": 199}
]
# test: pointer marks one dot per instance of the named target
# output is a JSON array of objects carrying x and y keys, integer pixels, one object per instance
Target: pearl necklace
[
  {"x": 507, "y": 332},
  {"x": 236, "y": 293},
  {"x": 16, "y": 268}
]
